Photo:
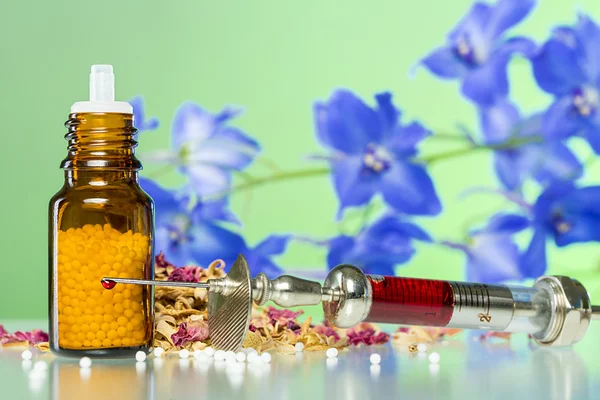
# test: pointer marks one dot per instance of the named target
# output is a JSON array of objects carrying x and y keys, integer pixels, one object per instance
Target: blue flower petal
[
  {"x": 339, "y": 248},
  {"x": 139, "y": 116},
  {"x": 192, "y": 125},
  {"x": 408, "y": 188},
  {"x": 404, "y": 139},
  {"x": 507, "y": 169},
  {"x": 499, "y": 121},
  {"x": 506, "y": 14},
  {"x": 227, "y": 148},
  {"x": 209, "y": 242},
  {"x": 272, "y": 245},
  {"x": 533, "y": 261},
  {"x": 557, "y": 67},
  {"x": 472, "y": 27},
  {"x": 507, "y": 223},
  {"x": 258, "y": 264},
  {"x": 593, "y": 137},
  {"x": 588, "y": 34},
  {"x": 561, "y": 119},
  {"x": 347, "y": 124},
  {"x": 393, "y": 223},
  {"x": 217, "y": 210},
  {"x": 489, "y": 82},
  {"x": 176, "y": 253},
  {"x": 208, "y": 180},
  {"x": 388, "y": 112},
  {"x": 353, "y": 185},
  {"x": 554, "y": 161},
  {"x": 163, "y": 199},
  {"x": 493, "y": 258},
  {"x": 444, "y": 63}
]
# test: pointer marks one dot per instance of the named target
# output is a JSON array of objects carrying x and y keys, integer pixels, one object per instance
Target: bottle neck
[
  {"x": 100, "y": 177},
  {"x": 101, "y": 141}
]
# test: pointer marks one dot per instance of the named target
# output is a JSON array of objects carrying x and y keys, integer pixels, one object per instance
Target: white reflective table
[{"x": 468, "y": 369}]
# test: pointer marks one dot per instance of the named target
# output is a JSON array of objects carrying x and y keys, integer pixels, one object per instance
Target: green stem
[
  {"x": 509, "y": 144},
  {"x": 449, "y": 136},
  {"x": 284, "y": 176}
]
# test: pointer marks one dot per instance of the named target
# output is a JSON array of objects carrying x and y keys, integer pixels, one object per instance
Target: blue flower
[
  {"x": 568, "y": 67},
  {"x": 566, "y": 213},
  {"x": 545, "y": 161},
  {"x": 191, "y": 235},
  {"x": 206, "y": 149},
  {"x": 139, "y": 116},
  {"x": 259, "y": 257},
  {"x": 373, "y": 153},
  {"x": 377, "y": 248},
  {"x": 492, "y": 254},
  {"x": 477, "y": 53}
]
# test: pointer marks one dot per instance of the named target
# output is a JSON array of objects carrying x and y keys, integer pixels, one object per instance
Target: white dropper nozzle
[{"x": 102, "y": 93}]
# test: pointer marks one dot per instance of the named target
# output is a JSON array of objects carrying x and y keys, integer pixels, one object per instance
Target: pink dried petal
[
  {"x": 190, "y": 273},
  {"x": 161, "y": 262},
  {"x": 34, "y": 337},
  {"x": 190, "y": 332},
  {"x": 365, "y": 333},
  {"x": 327, "y": 331},
  {"x": 403, "y": 330},
  {"x": 282, "y": 316}
]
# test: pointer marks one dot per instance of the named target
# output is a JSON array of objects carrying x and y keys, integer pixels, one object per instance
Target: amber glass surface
[{"x": 101, "y": 224}]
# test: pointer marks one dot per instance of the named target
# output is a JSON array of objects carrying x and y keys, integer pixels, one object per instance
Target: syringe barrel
[
  {"x": 557, "y": 310},
  {"x": 426, "y": 302}
]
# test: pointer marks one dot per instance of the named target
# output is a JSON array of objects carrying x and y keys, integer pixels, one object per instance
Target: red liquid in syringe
[{"x": 410, "y": 301}]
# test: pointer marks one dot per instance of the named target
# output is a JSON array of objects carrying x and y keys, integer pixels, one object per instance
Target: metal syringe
[{"x": 556, "y": 310}]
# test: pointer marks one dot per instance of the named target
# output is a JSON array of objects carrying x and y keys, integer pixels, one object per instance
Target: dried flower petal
[
  {"x": 190, "y": 273},
  {"x": 43, "y": 346},
  {"x": 33, "y": 337},
  {"x": 366, "y": 334},
  {"x": 326, "y": 331},
  {"x": 191, "y": 331},
  {"x": 282, "y": 316}
]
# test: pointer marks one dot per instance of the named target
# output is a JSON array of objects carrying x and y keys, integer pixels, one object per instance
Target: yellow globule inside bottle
[{"x": 90, "y": 316}]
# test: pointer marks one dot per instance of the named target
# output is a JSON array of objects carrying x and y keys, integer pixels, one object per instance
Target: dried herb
[{"x": 22, "y": 338}]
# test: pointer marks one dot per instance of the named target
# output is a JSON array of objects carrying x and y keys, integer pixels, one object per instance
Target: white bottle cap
[{"x": 102, "y": 94}]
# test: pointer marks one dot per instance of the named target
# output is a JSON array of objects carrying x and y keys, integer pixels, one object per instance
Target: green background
[{"x": 274, "y": 58}]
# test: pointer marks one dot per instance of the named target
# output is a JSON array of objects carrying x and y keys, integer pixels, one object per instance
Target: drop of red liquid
[{"x": 108, "y": 284}]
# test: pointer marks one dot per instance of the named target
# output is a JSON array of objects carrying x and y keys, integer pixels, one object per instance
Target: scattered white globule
[
  {"x": 331, "y": 353},
  {"x": 253, "y": 357},
  {"x": 240, "y": 356},
  {"x": 230, "y": 357},
  {"x": 422, "y": 347},
  {"x": 299, "y": 346},
  {"x": 265, "y": 357},
  {"x": 184, "y": 353},
  {"x": 219, "y": 355},
  {"x": 85, "y": 362},
  {"x": 434, "y": 358},
  {"x": 140, "y": 356},
  {"x": 26, "y": 355},
  {"x": 375, "y": 358},
  {"x": 209, "y": 351},
  {"x": 158, "y": 352}
]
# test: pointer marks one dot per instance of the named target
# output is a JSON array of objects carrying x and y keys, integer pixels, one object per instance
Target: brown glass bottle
[{"x": 101, "y": 224}]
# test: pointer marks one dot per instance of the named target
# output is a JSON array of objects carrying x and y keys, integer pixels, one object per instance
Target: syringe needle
[{"x": 109, "y": 283}]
